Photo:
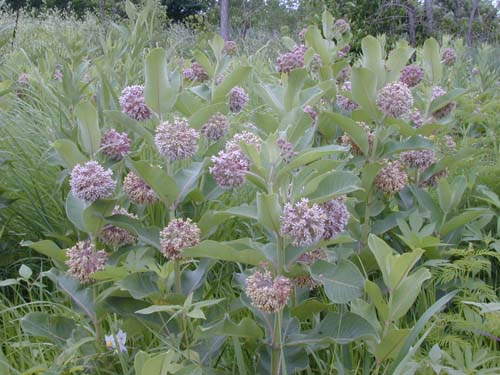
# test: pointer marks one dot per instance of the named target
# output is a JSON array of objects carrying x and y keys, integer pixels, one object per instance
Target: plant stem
[
  {"x": 177, "y": 274},
  {"x": 276, "y": 345}
]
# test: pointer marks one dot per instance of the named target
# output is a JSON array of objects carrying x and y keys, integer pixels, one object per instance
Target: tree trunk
[
  {"x": 475, "y": 4},
  {"x": 430, "y": 16},
  {"x": 224, "y": 19},
  {"x": 412, "y": 35}
]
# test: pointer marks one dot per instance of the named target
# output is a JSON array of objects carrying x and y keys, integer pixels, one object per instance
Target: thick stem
[
  {"x": 177, "y": 274},
  {"x": 276, "y": 345}
]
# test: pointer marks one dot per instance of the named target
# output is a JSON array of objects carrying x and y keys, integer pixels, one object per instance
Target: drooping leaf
[
  {"x": 246, "y": 328},
  {"x": 88, "y": 126},
  {"x": 140, "y": 284},
  {"x": 53, "y": 327},
  {"x": 160, "y": 93},
  {"x": 221, "y": 251}
]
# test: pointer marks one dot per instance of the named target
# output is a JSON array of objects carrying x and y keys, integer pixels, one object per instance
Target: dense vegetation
[{"x": 173, "y": 203}]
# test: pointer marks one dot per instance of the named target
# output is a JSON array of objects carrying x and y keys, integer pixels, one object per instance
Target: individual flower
[
  {"x": 344, "y": 102},
  {"x": 121, "y": 338},
  {"x": 219, "y": 79},
  {"x": 412, "y": 75},
  {"x": 23, "y": 79},
  {"x": 447, "y": 109},
  {"x": 337, "y": 217},
  {"x": 90, "y": 182},
  {"x": 133, "y": 103},
  {"x": 346, "y": 140},
  {"x": 395, "y": 99},
  {"x": 230, "y": 47},
  {"x": 316, "y": 64},
  {"x": 343, "y": 51},
  {"x": 302, "y": 224},
  {"x": 115, "y": 145},
  {"x": 302, "y": 34},
  {"x": 116, "y": 236},
  {"x": 392, "y": 178},
  {"x": 343, "y": 75},
  {"x": 83, "y": 260},
  {"x": 420, "y": 159},
  {"x": 188, "y": 74},
  {"x": 229, "y": 168},
  {"x": 475, "y": 71},
  {"x": 342, "y": 26},
  {"x": 449, "y": 142},
  {"x": 58, "y": 75},
  {"x": 416, "y": 118},
  {"x": 176, "y": 140},
  {"x": 178, "y": 235},
  {"x": 246, "y": 137},
  {"x": 238, "y": 98},
  {"x": 267, "y": 294},
  {"x": 286, "y": 150},
  {"x": 449, "y": 57},
  {"x": 138, "y": 191},
  {"x": 291, "y": 60},
  {"x": 199, "y": 73},
  {"x": 311, "y": 112},
  {"x": 216, "y": 127}
]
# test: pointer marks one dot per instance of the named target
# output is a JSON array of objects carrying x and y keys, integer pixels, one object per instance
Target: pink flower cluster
[
  {"x": 176, "y": 140},
  {"x": 138, "y": 191},
  {"x": 115, "y": 145},
  {"x": 178, "y": 235},
  {"x": 116, "y": 236},
  {"x": 238, "y": 99},
  {"x": 395, "y": 99},
  {"x": 83, "y": 260},
  {"x": 343, "y": 101},
  {"x": 291, "y": 60},
  {"x": 412, "y": 75},
  {"x": 90, "y": 182},
  {"x": 216, "y": 127},
  {"x": 420, "y": 159},
  {"x": 133, "y": 103},
  {"x": 447, "y": 109},
  {"x": 392, "y": 178},
  {"x": 268, "y": 294}
]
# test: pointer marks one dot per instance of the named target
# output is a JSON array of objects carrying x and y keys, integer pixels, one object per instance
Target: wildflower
[
  {"x": 176, "y": 140},
  {"x": 188, "y": 74},
  {"x": 238, "y": 98},
  {"x": 343, "y": 75},
  {"x": 434, "y": 179},
  {"x": 342, "y": 26},
  {"x": 475, "y": 71},
  {"x": 302, "y": 34},
  {"x": 304, "y": 225},
  {"x": 245, "y": 137},
  {"x": 267, "y": 294},
  {"x": 138, "y": 191},
  {"x": 286, "y": 150},
  {"x": 412, "y": 75},
  {"x": 343, "y": 51},
  {"x": 392, "y": 178},
  {"x": 83, "y": 260},
  {"x": 447, "y": 109},
  {"x": 395, "y": 99},
  {"x": 90, "y": 182},
  {"x": 316, "y": 64},
  {"x": 230, "y": 47},
  {"x": 23, "y": 79},
  {"x": 121, "y": 338},
  {"x": 420, "y": 159},
  {"x": 309, "y": 258},
  {"x": 116, "y": 236},
  {"x": 216, "y": 127},
  {"x": 344, "y": 102},
  {"x": 337, "y": 217},
  {"x": 199, "y": 72},
  {"x": 178, "y": 235},
  {"x": 449, "y": 57},
  {"x": 291, "y": 60},
  {"x": 58, "y": 75},
  {"x": 115, "y": 145},
  {"x": 416, "y": 118},
  {"x": 133, "y": 103},
  {"x": 311, "y": 112}
]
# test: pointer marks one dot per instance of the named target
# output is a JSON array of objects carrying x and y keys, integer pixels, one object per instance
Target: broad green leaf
[
  {"x": 293, "y": 87},
  {"x": 235, "y": 78},
  {"x": 157, "y": 178},
  {"x": 401, "y": 265},
  {"x": 220, "y": 251},
  {"x": 160, "y": 93},
  {"x": 148, "y": 235},
  {"x": 419, "y": 326},
  {"x": 364, "y": 90},
  {"x": 74, "y": 211},
  {"x": 246, "y": 328},
  {"x": 397, "y": 60},
  {"x": 356, "y": 132},
  {"x": 412, "y": 143},
  {"x": 343, "y": 282},
  {"x": 324, "y": 48},
  {"x": 372, "y": 59},
  {"x": 460, "y": 220},
  {"x": 53, "y": 327},
  {"x": 339, "y": 328},
  {"x": 391, "y": 344},
  {"x": 269, "y": 211},
  {"x": 432, "y": 61},
  {"x": 330, "y": 185},
  {"x": 140, "y": 284},
  {"x": 201, "y": 116},
  {"x": 383, "y": 254},
  {"x": 47, "y": 248},
  {"x": 327, "y": 22},
  {"x": 406, "y": 293},
  {"x": 377, "y": 299},
  {"x": 443, "y": 100},
  {"x": 93, "y": 215},
  {"x": 88, "y": 126},
  {"x": 69, "y": 153},
  {"x": 308, "y": 308}
]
